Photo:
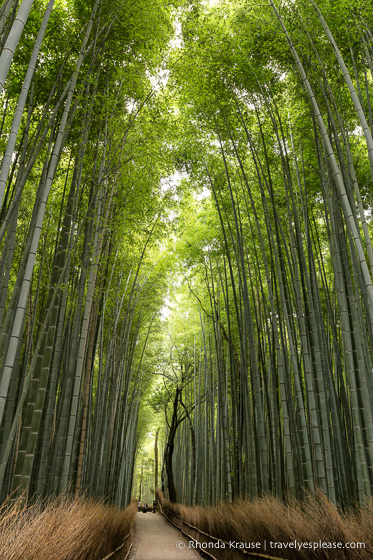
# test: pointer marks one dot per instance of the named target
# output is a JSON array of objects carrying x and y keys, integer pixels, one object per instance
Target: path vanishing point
[{"x": 155, "y": 539}]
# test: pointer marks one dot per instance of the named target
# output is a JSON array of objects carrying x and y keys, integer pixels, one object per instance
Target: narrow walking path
[{"x": 155, "y": 539}]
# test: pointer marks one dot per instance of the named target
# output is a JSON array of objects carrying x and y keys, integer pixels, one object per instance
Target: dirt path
[{"x": 155, "y": 539}]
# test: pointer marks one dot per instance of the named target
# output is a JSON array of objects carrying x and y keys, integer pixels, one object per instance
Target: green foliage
[{"x": 196, "y": 238}]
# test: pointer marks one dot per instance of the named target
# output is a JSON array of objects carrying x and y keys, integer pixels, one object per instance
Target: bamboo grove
[
  {"x": 275, "y": 394},
  {"x": 78, "y": 219},
  {"x": 266, "y": 381}
]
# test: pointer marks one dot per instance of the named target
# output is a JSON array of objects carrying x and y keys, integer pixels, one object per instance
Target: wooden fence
[
  {"x": 222, "y": 550},
  {"x": 123, "y": 551}
]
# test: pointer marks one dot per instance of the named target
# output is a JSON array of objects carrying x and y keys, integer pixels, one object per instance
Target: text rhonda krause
[
  {"x": 223, "y": 544},
  {"x": 279, "y": 545}
]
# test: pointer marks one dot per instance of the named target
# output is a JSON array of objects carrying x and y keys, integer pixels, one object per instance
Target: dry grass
[
  {"x": 63, "y": 529},
  {"x": 268, "y": 519}
]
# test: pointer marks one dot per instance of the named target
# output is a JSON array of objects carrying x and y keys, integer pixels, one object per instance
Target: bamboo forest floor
[{"x": 155, "y": 539}]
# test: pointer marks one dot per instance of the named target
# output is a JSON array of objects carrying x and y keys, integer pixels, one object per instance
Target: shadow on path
[{"x": 155, "y": 539}]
